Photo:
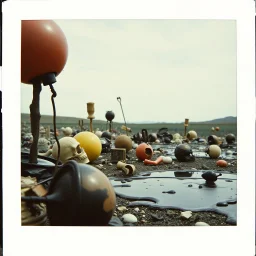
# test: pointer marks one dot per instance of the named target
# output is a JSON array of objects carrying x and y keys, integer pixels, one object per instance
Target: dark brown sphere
[
  {"x": 123, "y": 141},
  {"x": 44, "y": 49},
  {"x": 80, "y": 195},
  {"x": 230, "y": 138}
]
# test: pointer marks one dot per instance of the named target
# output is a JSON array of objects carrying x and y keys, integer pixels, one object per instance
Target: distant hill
[
  {"x": 74, "y": 120},
  {"x": 224, "y": 120}
]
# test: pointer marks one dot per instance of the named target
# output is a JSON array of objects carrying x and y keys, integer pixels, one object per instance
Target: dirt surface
[{"x": 164, "y": 217}]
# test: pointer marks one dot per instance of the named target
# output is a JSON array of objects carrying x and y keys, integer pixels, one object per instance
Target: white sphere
[
  {"x": 214, "y": 151},
  {"x": 191, "y": 135}
]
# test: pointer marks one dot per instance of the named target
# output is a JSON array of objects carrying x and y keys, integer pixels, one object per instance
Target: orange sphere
[
  {"x": 44, "y": 49},
  {"x": 144, "y": 151},
  {"x": 217, "y": 128},
  {"x": 222, "y": 163}
]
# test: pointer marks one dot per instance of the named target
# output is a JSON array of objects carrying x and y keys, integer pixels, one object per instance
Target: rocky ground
[{"x": 147, "y": 216}]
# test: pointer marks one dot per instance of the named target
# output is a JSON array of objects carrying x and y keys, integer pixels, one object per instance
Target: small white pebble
[
  {"x": 186, "y": 214},
  {"x": 201, "y": 224},
  {"x": 121, "y": 208},
  {"x": 136, "y": 209}
]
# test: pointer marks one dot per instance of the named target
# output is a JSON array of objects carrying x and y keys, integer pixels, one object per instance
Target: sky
[{"x": 163, "y": 70}]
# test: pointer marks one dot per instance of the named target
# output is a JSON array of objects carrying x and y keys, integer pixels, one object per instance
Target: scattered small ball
[{"x": 222, "y": 163}]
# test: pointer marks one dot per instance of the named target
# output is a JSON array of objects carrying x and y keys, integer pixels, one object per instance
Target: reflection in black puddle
[{"x": 164, "y": 189}]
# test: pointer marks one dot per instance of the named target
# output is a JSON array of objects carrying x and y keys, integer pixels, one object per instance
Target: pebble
[
  {"x": 121, "y": 208},
  {"x": 110, "y": 164},
  {"x": 142, "y": 211},
  {"x": 186, "y": 214},
  {"x": 201, "y": 224},
  {"x": 143, "y": 221},
  {"x": 205, "y": 167},
  {"x": 129, "y": 218},
  {"x": 143, "y": 216},
  {"x": 229, "y": 152},
  {"x": 194, "y": 169},
  {"x": 136, "y": 209}
]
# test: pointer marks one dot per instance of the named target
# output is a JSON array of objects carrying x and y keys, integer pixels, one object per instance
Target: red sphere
[
  {"x": 144, "y": 151},
  {"x": 44, "y": 49},
  {"x": 222, "y": 163}
]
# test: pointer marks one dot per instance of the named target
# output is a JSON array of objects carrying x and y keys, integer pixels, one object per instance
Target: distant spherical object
[
  {"x": 213, "y": 151},
  {"x": 98, "y": 133},
  {"x": 110, "y": 115},
  {"x": 152, "y": 137},
  {"x": 217, "y": 128},
  {"x": 213, "y": 140},
  {"x": 44, "y": 49},
  {"x": 144, "y": 151},
  {"x": 90, "y": 143},
  {"x": 106, "y": 135},
  {"x": 230, "y": 138},
  {"x": 191, "y": 135},
  {"x": 123, "y": 141},
  {"x": 222, "y": 163}
]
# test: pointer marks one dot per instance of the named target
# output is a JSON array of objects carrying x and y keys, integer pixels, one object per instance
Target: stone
[
  {"x": 186, "y": 215},
  {"x": 201, "y": 224},
  {"x": 129, "y": 218},
  {"x": 142, "y": 211},
  {"x": 136, "y": 209},
  {"x": 121, "y": 208},
  {"x": 205, "y": 167}
]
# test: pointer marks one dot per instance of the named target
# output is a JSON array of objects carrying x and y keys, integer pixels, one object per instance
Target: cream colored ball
[{"x": 214, "y": 151}]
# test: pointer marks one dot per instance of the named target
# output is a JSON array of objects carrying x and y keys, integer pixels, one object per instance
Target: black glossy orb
[
  {"x": 106, "y": 135},
  {"x": 210, "y": 176},
  {"x": 183, "y": 153},
  {"x": 80, "y": 195},
  {"x": 110, "y": 115}
]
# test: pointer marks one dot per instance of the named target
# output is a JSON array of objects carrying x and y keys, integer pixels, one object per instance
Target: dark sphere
[
  {"x": 213, "y": 140},
  {"x": 110, "y": 116},
  {"x": 106, "y": 135},
  {"x": 230, "y": 138},
  {"x": 80, "y": 195},
  {"x": 183, "y": 153},
  {"x": 44, "y": 49}
]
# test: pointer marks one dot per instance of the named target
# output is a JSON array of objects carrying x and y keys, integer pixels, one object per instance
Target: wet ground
[{"x": 163, "y": 208}]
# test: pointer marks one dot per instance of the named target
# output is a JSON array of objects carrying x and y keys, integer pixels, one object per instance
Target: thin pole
[{"x": 119, "y": 100}]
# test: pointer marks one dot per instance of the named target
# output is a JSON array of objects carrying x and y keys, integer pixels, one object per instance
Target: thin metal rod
[
  {"x": 54, "y": 94},
  {"x": 119, "y": 100},
  {"x": 35, "y": 120}
]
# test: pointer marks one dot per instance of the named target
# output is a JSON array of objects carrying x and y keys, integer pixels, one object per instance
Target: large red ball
[
  {"x": 44, "y": 49},
  {"x": 144, "y": 151}
]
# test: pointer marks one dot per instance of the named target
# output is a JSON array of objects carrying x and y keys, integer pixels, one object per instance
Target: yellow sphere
[
  {"x": 123, "y": 141},
  {"x": 90, "y": 143}
]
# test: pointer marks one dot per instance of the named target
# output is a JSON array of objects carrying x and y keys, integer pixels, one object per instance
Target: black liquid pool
[{"x": 183, "y": 190}]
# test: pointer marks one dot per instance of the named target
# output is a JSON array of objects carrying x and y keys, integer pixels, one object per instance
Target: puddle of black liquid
[{"x": 191, "y": 192}]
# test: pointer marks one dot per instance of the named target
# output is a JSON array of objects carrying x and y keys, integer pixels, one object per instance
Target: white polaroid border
[{"x": 41, "y": 241}]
